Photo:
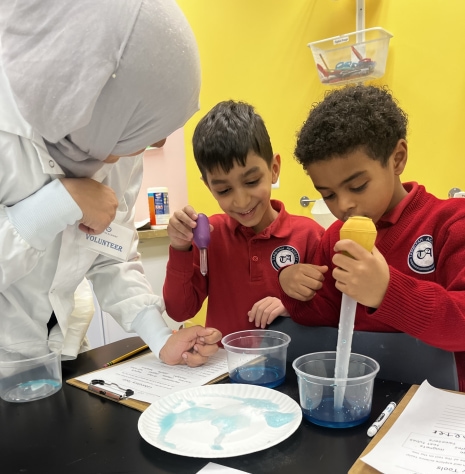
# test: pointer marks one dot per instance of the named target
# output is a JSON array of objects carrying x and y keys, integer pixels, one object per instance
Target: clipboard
[
  {"x": 122, "y": 395},
  {"x": 359, "y": 467},
  {"x": 129, "y": 402}
]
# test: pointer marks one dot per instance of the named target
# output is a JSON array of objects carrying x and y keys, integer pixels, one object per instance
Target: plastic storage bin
[{"x": 353, "y": 57}]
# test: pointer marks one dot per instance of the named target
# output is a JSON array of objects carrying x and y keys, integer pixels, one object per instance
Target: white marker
[{"x": 373, "y": 429}]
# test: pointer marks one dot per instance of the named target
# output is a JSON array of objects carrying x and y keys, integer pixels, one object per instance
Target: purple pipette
[{"x": 201, "y": 240}]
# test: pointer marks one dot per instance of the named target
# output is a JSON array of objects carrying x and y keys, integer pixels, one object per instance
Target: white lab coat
[{"x": 41, "y": 263}]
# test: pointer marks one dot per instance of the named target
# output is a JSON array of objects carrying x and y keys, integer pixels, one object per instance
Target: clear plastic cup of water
[
  {"x": 317, "y": 385},
  {"x": 29, "y": 371},
  {"x": 257, "y": 356}
]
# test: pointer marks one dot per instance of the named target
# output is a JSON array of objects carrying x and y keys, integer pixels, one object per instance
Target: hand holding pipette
[
  {"x": 363, "y": 231},
  {"x": 183, "y": 225},
  {"x": 201, "y": 240}
]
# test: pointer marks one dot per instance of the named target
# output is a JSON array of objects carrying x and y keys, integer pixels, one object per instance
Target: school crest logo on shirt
[
  {"x": 283, "y": 256},
  {"x": 421, "y": 256}
]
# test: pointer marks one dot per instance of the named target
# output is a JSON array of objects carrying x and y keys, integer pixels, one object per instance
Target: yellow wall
[{"x": 256, "y": 50}]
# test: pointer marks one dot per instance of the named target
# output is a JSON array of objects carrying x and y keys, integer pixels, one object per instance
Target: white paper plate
[{"x": 219, "y": 421}]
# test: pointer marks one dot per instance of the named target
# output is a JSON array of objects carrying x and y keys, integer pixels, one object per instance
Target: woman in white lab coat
[{"x": 81, "y": 85}]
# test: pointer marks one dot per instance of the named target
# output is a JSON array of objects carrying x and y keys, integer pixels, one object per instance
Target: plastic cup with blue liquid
[
  {"x": 29, "y": 371},
  {"x": 257, "y": 356},
  {"x": 317, "y": 384}
]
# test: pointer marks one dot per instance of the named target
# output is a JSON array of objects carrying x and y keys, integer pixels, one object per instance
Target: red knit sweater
[
  {"x": 242, "y": 268},
  {"x": 423, "y": 242}
]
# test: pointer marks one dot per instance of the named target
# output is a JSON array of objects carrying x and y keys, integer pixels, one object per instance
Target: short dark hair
[
  {"x": 226, "y": 135},
  {"x": 350, "y": 118}
]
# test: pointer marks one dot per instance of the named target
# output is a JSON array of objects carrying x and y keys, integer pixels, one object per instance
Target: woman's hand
[{"x": 191, "y": 346}]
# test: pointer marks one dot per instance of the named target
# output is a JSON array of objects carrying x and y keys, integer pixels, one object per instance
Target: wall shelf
[{"x": 152, "y": 234}]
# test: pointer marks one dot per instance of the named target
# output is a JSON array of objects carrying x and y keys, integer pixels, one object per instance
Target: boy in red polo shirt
[
  {"x": 250, "y": 242},
  {"x": 353, "y": 146}
]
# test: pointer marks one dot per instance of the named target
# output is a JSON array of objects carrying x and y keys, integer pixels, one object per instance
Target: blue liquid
[
  {"x": 265, "y": 376},
  {"x": 32, "y": 390},
  {"x": 226, "y": 420},
  {"x": 325, "y": 414}
]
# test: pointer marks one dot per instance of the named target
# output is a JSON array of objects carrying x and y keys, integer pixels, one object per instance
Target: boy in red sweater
[
  {"x": 250, "y": 242},
  {"x": 353, "y": 146}
]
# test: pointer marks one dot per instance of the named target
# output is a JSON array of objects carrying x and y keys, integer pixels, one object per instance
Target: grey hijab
[{"x": 99, "y": 78}]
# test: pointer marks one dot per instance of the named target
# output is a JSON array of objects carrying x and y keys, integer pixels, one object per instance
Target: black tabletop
[{"x": 74, "y": 431}]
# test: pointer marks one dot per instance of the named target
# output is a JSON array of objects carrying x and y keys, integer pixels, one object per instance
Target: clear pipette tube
[
  {"x": 202, "y": 240},
  {"x": 363, "y": 231},
  {"x": 203, "y": 261},
  {"x": 344, "y": 347}
]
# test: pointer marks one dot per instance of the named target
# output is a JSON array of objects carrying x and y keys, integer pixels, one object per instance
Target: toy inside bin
[{"x": 353, "y": 57}]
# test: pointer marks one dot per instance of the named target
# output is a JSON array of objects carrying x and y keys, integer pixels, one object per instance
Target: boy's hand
[
  {"x": 301, "y": 281},
  {"x": 180, "y": 228},
  {"x": 266, "y": 310},
  {"x": 97, "y": 202},
  {"x": 191, "y": 346},
  {"x": 365, "y": 277}
]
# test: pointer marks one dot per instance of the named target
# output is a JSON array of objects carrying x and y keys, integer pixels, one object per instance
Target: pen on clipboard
[
  {"x": 373, "y": 429},
  {"x": 126, "y": 356}
]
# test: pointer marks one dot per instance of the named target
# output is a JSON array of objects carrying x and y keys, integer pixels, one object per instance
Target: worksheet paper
[
  {"x": 213, "y": 468},
  {"x": 151, "y": 379},
  {"x": 428, "y": 437}
]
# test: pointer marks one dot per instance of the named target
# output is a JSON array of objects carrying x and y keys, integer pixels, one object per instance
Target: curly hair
[
  {"x": 225, "y": 136},
  {"x": 350, "y": 118}
]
